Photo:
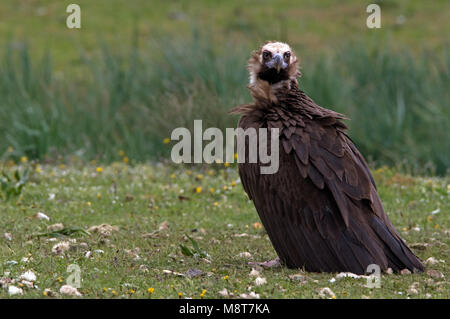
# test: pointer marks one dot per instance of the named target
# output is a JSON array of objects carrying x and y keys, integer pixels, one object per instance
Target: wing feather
[{"x": 321, "y": 209}]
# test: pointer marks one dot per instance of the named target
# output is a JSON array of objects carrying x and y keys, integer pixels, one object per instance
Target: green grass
[
  {"x": 139, "y": 199},
  {"x": 136, "y": 70},
  {"x": 133, "y": 99},
  {"x": 111, "y": 92},
  {"x": 316, "y": 26}
]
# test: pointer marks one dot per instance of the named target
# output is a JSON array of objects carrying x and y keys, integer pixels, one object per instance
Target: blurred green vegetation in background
[{"x": 138, "y": 69}]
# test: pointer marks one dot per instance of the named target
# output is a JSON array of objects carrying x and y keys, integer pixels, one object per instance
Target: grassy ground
[
  {"x": 397, "y": 101},
  {"x": 155, "y": 206},
  {"x": 138, "y": 69},
  {"x": 315, "y": 26}
]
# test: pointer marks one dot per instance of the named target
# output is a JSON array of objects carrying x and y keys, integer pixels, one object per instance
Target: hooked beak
[{"x": 278, "y": 62}]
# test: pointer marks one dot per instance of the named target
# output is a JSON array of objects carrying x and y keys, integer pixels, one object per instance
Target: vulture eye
[
  {"x": 266, "y": 55},
  {"x": 287, "y": 55}
]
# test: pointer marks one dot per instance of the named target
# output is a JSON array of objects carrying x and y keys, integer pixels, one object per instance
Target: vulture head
[{"x": 273, "y": 62}]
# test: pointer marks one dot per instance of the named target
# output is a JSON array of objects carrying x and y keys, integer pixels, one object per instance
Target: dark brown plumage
[{"x": 321, "y": 209}]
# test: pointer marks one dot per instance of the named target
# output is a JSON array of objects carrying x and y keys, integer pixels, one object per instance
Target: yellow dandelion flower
[
  {"x": 121, "y": 153},
  {"x": 172, "y": 176},
  {"x": 38, "y": 169},
  {"x": 59, "y": 279},
  {"x": 235, "y": 156},
  {"x": 188, "y": 172},
  {"x": 166, "y": 140},
  {"x": 225, "y": 277},
  {"x": 132, "y": 291},
  {"x": 225, "y": 187},
  {"x": 171, "y": 286},
  {"x": 334, "y": 297},
  {"x": 233, "y": 183},
  {"x": 180, "y": 294},
  {"x": 235, "y": 291},
  {"x": 429, "y": 218},
  {"x": 151, "y": 290},
  {"x": 10, "y": 149},
  {"x": 99, "y": 169},
  {"x": 246, "y": 226},
  {"x": 114, "y": 293},
  {"x": 105, "y": 289},
  {"x": 204, "y": 291},
  {"x": 199, "y": 177},
  {"x": 436, "y": 226},
  {"x": 216, "y": 204},
  {"x": 126, "y": 160},
  {"x": 62, "y": 166},
  {"x": 21, "y": 285},
  {"x": 214, "y": 270},
  {"x": 45, "y": 293},
  {"x": 257, "y": 225},
  {"x": 24, "y": 159},
  {"x": 99, "y": 195},
  {"x": 226, "y": 164},
  {"x": 198, "y": 189},
  {"x": 89, "y": 204},
  {"x": 404, "y": 229},
  {"x": 211, "y": 172},
  {"x": 212, "y": 190}
]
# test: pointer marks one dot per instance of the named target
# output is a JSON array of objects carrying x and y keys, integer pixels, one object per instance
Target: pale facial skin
[
  {"x": 274, "y": 62},
  {"x": 276, "y": 55}
]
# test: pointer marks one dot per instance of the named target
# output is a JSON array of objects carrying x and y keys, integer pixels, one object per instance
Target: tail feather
[{"x": 398, "y": 254}]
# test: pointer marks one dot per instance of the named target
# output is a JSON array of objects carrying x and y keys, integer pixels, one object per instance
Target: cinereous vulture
[{"x": 321, "y": 209}]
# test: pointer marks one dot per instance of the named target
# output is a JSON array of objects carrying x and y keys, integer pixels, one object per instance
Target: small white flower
[
  {"x": 349, "y": 274},
  {"x": 26, "y": 259},
  {"x": 260, "y": 281},
  {"x": 28, "y": 276},
  {"x": 251, "y": 295},
  {"x": 224, "y": 292},
  {"x": 431, "y": 261},
  {"x": 245, "y": 255},
  {"x": 326, "y": 293},
  {"x": 13, "y": 290},
  {"x": 61, "y": 248},
  {"x": 254, "y": 273},
  {"x": 69, "y": 290},
  {"x": 40, "y": 215}
]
